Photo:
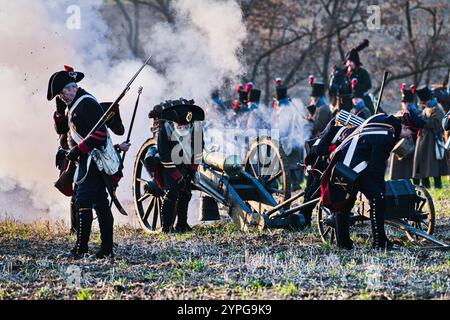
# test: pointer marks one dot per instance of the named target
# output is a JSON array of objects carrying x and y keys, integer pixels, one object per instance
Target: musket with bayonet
[{"x": 110, "y": 112}]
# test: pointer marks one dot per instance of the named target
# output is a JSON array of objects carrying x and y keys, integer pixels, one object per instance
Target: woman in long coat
[{"x": 426, "y": 164}]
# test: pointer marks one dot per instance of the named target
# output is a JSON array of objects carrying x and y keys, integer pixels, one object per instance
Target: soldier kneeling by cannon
[{"x": 359, "y": 164}]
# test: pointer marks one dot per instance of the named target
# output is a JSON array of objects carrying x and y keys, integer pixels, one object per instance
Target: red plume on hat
[
  {"x": 403, "y": 88},
  {"x": 311, "y": 80},
  {"x": 413, "y": 88},
  {"x": 278, "y": 81},
  {"x": 69, "y": 69}
]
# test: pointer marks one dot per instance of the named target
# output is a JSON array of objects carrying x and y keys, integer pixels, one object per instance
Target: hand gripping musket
[{"x": 66, "y": 178}]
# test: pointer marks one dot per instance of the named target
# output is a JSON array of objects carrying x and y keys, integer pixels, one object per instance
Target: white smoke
[{"x": 198, "y": 53}]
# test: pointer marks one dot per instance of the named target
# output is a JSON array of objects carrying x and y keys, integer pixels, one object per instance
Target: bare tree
[
  {"x": 133, "y": 19},
  {"x": 421, "y": 47}
]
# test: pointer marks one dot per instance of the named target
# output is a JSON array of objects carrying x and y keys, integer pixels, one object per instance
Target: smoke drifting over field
[{"x": 199, "y": 53}]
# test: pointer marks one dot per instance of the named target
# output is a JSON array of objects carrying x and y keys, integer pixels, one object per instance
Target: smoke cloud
[{"x": 198, "y": 54}]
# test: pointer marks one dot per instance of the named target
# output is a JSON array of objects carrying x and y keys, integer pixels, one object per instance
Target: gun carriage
[{"x": 247, "y": 189}]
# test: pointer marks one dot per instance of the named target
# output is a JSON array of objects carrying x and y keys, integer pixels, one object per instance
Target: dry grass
[{"x": 219, "y": 262}]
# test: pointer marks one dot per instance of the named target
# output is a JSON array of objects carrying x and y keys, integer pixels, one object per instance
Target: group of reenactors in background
[
  {"x": 366, "y": 148},
  {"x": 424, "y": 107},
  {"x": 417, "y": 130}
]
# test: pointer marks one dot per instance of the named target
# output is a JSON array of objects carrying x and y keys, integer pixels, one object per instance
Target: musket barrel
[{"x": 107, "y": 114}]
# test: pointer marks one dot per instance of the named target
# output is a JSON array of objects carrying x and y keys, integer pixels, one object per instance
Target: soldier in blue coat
[{"x": 365, "y": 152}]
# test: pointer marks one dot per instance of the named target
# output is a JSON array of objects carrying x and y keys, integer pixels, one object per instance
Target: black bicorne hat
[
  {"x": 424, "y": 93},
  {"x": 254, "y": 96},
  {"x": 318, "y": 89},
  {"x": 182, "y": 111},
  {"x": 61, "y": 79}
]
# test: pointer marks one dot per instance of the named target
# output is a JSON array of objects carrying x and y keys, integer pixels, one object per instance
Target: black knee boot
[
  {"x": 168, "y": 213},
  {"x": 377, "y": 214},
  {"x": 106, "y": 224},
  {"x": 73, "y": 217},
  {"x": 83, "y": 233},
  {"x": 437, "y": 182},
  {"x": 343, "y": 230},
  {"x": 426, "y": 183},
  {"x": 182, "y": 212}
]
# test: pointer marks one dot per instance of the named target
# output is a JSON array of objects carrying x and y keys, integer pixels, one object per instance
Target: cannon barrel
[{"x": 232, "y": 165}]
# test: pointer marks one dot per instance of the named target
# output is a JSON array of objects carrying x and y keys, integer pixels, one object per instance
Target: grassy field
[{"x": 220, "y": 262}]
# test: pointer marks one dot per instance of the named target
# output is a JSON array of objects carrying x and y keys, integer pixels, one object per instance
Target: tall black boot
[
  {"x": 377, "y": 214},
  {"x": 73, "y": 217},
  {"x": 182, "y": 212},
  {"x": 106, "y": 224},
  {"x": 343, "y": 230},
  {"x": 168, "y": 213},
  {"x": 83, "y": 233},
  {"x": 437, "y": 182},
  {"x": 426, "y": 183}
]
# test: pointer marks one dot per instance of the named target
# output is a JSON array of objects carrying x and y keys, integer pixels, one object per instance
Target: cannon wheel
[
  {"x": 327, "y": 232},
  {"x": 147, "y": 206},
  {"x": 426, "y": 212},
  {"x": 270, "y": 167}
]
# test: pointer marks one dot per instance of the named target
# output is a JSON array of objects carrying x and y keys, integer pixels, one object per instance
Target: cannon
[{"x": 246, "y": 189}]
